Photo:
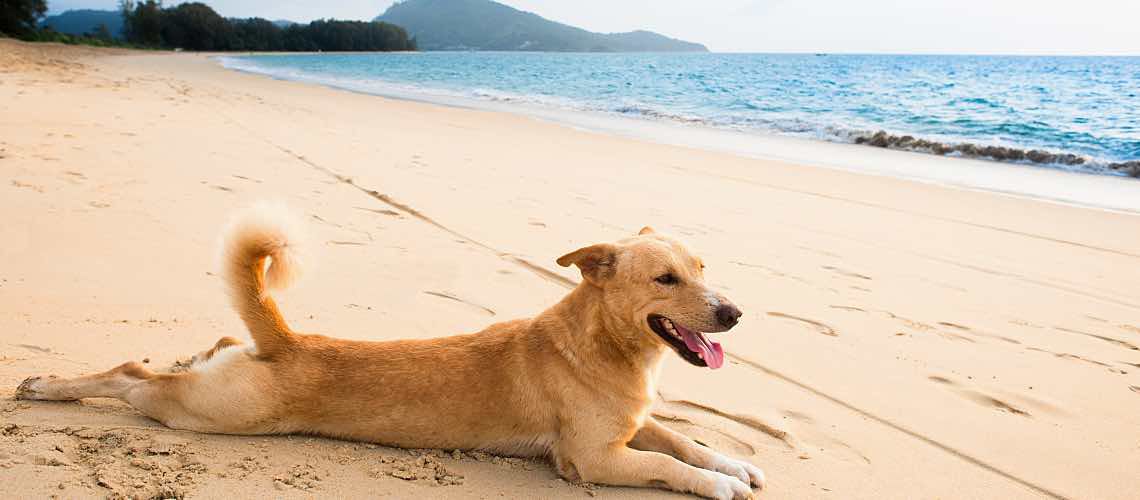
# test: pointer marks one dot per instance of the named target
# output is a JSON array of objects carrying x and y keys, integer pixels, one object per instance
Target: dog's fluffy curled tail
[{"x": 263, "y": 233}]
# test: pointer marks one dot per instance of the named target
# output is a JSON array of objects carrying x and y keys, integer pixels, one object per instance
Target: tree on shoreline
[
  {"x": 142, "y": 22},
  {"x": 196, "y": 26},
  {"x": 20, "y": 18}
]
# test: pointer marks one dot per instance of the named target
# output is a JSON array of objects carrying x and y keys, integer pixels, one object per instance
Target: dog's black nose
[{"x": 728, "y": 315}]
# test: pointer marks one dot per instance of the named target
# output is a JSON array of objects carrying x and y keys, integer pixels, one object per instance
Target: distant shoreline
[{"x": 1084, "y": 189}]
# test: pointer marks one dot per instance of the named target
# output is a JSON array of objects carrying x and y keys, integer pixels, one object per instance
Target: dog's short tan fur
[{"x": 574, "y": 383}]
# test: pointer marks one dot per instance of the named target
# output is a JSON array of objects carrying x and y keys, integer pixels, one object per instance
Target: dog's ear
[
  {"x": 646, "y": 230},
  {"x": 597, "y": 262}
]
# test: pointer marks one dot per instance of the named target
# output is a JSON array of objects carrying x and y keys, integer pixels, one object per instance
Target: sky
[{"x": 832, "y": 26}]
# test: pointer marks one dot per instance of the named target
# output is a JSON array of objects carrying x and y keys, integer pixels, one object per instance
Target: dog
[{"x": 574, "y": 384}]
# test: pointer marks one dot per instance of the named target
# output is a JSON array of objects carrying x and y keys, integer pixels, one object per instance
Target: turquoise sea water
[{"x": 1083, "y": 111}]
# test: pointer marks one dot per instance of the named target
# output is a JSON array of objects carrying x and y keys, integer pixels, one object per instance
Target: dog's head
[{"x": 653, "y": 284}]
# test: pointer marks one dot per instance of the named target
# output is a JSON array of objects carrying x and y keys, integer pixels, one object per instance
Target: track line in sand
[
  {"x": 569, "y": 284},
  {"x": 540, "y": 271},
  {"x": 448, "y": 296}
]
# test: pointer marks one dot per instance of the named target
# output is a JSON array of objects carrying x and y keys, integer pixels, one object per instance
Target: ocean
[{"x": 1079, "y": 114}]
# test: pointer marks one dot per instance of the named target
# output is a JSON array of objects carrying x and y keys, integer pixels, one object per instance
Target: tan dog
[{"x": 574, "y": 383}]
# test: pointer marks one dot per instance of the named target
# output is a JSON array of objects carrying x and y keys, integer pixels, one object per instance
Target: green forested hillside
[
  {"x": 487, "y": 25},
  {"x": 84, "y": 21}
]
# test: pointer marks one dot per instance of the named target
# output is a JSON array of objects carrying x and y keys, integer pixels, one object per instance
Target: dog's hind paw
[{"x": 31, "y": 387}]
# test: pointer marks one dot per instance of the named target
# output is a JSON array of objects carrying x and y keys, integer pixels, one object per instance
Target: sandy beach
[{"x": 900, "y": 339}]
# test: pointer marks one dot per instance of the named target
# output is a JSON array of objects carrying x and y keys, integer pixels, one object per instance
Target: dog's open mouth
[{"x": 693, "y": 346}]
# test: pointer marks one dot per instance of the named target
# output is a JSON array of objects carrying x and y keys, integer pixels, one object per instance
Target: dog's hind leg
[
  {"x": 198, "y": 401},
  {"x": 112, "y": 383},
  {"x": 109, "y": 384}
]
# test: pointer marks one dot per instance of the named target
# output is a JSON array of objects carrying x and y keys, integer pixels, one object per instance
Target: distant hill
[
  {"x": 78, "y": 22},
  {"x": 84, "y": 21},
  {"x": 488, "y": 25}
]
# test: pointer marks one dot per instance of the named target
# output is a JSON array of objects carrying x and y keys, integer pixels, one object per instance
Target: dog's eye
[{"x": 666, "y": 279}]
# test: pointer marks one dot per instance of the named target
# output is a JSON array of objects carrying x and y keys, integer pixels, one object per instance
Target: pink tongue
[{"x": 712, "y": 352}]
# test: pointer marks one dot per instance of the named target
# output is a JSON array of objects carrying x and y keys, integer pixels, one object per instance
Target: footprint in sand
[
  {"x": 920, "y": 326},
  {"x": 381, "y": 211},
  {"x": 75, "y": 176},
  {"x": 818, "y": 326},
  {"x": 1065, "y": 355},
  {"x": 1122, "y": 343},
  {"x": 972, "y": 331},
  {"x": 25, "y": 185},
  {"x": 980, "y": 397},
  {"x": 849, "y": 274},
  {"x": 917, "y": 325},
  {"x": 35, "y": 348},
  {"x": 848, "y": 308},
  {"x": 771, "y": 271}
]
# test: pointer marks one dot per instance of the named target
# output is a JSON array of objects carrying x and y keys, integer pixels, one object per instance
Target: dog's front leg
[
  {"x": 656, "y": 437},
  {"x": 620, "y": 465}
]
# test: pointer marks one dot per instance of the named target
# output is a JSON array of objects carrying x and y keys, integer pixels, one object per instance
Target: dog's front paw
[
  {"x": 744, "y": 471},
  {"x": 729, "y": 488},
  {"x": 32, "y": 387}
]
